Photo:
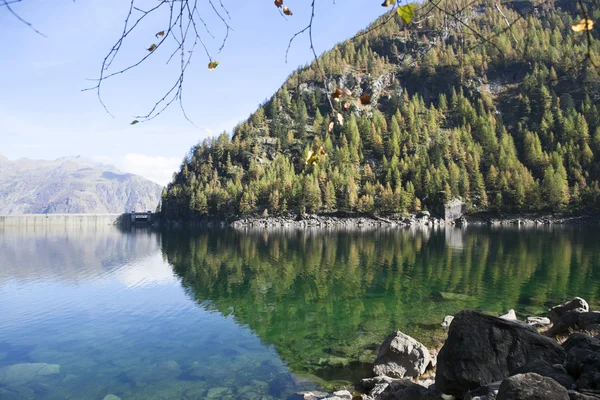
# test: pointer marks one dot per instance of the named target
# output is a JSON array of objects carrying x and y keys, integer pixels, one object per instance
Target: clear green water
[{"x": 255, "y": 315}]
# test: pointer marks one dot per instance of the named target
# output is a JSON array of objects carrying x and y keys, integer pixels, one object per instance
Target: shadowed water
[{"x": 86, "y": 312}]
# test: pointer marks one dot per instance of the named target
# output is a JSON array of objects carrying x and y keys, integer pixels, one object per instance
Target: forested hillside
[{"x": 506, "y": 119}]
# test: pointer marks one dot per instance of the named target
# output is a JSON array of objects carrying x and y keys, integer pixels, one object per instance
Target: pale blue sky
[{"x": 45, "y": 115}]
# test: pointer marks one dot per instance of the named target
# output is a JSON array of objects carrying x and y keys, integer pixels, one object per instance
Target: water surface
[{"x": 255, "y": 314}]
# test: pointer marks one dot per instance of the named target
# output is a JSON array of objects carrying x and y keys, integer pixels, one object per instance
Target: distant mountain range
[{"x": 72, "y": 185}]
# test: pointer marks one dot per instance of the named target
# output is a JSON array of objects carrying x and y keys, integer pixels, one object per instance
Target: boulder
[
  {"x": 481, "y": 349},
  {"x": 582, "y": 341},
  {"x": 19, "y": 374},
  {"x": 577, "y": 304},
  {"x": 575, "y": 320},
  {"x": 447, "y": 321},
  {"x": 583, "y": 360},
  {"x": 487, "y": 392},
  {"x": 386, "y": 388},
  {"x": 573, "y": 395},
  {"x": 542, "y": 368},
  {"x": 509, "y": 316},
  {"x": 309, "y": 395},
  {"x": 343, "y": 395},
  {"x": 401, "y": 356},
  {"x": 538, "y": 322},
  {"x": 531, "y": 386}
]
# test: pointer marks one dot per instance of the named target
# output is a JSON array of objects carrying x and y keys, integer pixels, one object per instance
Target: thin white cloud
[{"x": 156, "y": 168}]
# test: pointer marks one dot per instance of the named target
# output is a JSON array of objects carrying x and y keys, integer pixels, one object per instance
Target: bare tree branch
[{"x": 7, "y": 3}]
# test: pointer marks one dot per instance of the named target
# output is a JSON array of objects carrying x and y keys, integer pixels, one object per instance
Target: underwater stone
[{"x": 27, "y": 372}]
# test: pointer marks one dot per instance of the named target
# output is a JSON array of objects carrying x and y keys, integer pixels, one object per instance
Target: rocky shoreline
[
  {"x": 421, "y": 219},
  {"x": 553, "y": 357}
]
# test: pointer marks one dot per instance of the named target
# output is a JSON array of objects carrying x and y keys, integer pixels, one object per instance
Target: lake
[{"x": 90, "y": 311}]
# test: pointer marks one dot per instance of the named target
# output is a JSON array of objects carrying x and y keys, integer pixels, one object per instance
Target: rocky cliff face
[{"x": 72, "y": 185}]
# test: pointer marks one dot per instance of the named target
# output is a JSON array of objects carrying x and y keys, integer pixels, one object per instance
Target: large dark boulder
[
  {"x": 575, "y": 320},
  {"x": 581, "y": 341},
  {"x": 481, "y": 349},
  {"x": 583, "y": 360},
  {"x": 531, "y": 386},
  {"x": 543, "y": 368}
]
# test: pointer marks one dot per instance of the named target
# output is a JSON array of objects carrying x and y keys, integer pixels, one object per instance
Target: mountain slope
[
  {"x": 71, "y": 185},
  {"x": 510, "y": 123}
]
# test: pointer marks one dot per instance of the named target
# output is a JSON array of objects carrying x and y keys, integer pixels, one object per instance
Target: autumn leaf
[
  {"x": 135, "y": 121},
  {"x": 340, "y": 119},
  {"x": 388, "y": 3},
  {"x": 151, "y": 48},
  {"x": 212, "y": 65},
  {"x": 346, "y": 106},
  {"x": 330, "y": 127},
  {"x": 406, "y": 12},
  {"x": 365, "y": 99},
  {"x": 337, "y": 93},
  {"x": 287, "y": 11},
  {"x": 322, "y": 151},
  {"x": 585, "y": 24},
  {"x": 309, "y": 157},
  {"x": 160, "y": 34},
  {"x": 278, "y": 3}
]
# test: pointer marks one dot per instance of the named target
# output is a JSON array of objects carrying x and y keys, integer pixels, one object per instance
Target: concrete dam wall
[{"x": 63, "y": 219}]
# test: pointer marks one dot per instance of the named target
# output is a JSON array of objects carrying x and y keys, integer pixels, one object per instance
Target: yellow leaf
[
  {"x": 278, "y": 3},
  {"x": 135, "y": 121},
  {"x": 585, "y": 24},
  {"x": 212, "y": 65},
  {"x": 287, "y": 11},
  {"x": 160, "y": 34},
  {"x": 406, "y": 12},
  {"x": 322, "y": 151},
  {"x": 330, "y": 127},
  {"x": 310, "y": 157},
  {"x": 340, "y": 119},
  {"x": 151, "y": 48},
  {"x": 388, "y": 3},
  {"x": 346, "y": 106}
]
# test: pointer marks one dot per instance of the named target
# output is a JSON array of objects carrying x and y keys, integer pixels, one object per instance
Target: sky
[{"x": 44, "y": 114}]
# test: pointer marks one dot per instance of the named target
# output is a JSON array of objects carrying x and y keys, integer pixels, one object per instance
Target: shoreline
[{"x": 363, "y": 222}]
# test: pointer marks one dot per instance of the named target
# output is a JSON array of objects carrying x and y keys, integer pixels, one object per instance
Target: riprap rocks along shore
[{"x": 484, "y": 357}]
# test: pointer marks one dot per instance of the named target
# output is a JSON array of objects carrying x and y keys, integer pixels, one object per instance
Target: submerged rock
[
  {"x": 401, "y": 356},
  {"x": 27, "y": 372},
  {"x": 531, "y": 386},
  {"x": 481, "y": 349},
  {"x": 111, "y": 397},
  {"x": 577, "y": 304},
  {"x": 310, "y": 395}
]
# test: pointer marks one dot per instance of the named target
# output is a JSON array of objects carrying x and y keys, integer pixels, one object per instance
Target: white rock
[
  {"x": 401, "y": 356},
  {"x": 510, "y": 315},
  {"x": 447, "y": 321}
]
